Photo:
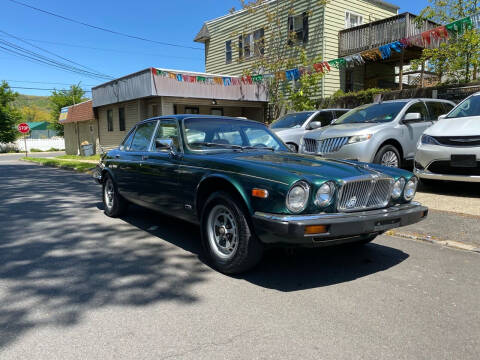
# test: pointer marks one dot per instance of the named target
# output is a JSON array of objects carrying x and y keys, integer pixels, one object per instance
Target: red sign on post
[{"x": 23, "y": 128}]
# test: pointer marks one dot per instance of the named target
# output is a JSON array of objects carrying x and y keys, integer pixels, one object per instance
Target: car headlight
[
  {"x": 297, "y": 197},
  {"x": 325, "y": 194},
  {"x": 429, "y": 140},
  {"x": 410, "y": 189},
  {"x": 398, "y": 188},
  {"x": 359, "y": 138}
]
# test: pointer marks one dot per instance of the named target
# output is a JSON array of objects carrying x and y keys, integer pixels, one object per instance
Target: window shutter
[
  {"x": 240, "y": 47},
  {"x": 305, "y": 27},
  {"x": 290, "y": 30}
]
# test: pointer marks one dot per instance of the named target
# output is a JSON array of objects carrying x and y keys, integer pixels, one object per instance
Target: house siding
[
  {"x": 335, "y": 22},
  {"x": 113, "y": 138},
  {"x": 323, "y": 38}
]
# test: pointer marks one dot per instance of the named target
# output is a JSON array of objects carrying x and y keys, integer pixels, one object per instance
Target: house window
[
  {"x": 216, "y": 111},
  {"x": 192, "y": 110},
  {"x": 228, "y": 51},
  {"x": 298, "y": 29},
  {"x": 110, "y": 120},
  {"x": 245, "y": 45},
  {"x": 259, "y": 42},
  {"x": 352, "y": 19},
  {"x": 121, "y": 119}
]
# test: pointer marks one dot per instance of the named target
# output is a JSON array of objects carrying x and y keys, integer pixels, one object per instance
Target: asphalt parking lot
[{"x": 76, "y": 284}]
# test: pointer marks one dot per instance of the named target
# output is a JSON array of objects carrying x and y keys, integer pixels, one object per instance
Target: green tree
[
  {"x": 62, "y": 98},
  {"x": 9, "y": 116},
  {"x": 459, "y": 58},
  {"x": 278, "y": 50}
]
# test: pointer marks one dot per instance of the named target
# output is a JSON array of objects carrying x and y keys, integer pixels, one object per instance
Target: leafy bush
[
  {"x": 53, "y": 149},
  {"x": 352, "y": 99},
  {"x": 35, "y": 150},
  {"x": 9, "y": 148}
]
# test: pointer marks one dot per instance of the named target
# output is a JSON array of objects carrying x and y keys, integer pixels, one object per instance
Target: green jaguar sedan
[{"x": 247, "y": 190}]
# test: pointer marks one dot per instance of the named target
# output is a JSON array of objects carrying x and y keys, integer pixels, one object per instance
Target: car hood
[
  {"x": 308, "y": 166},
  {"x": 345, "y": 130},
  {"x": 467, "y": 126}
]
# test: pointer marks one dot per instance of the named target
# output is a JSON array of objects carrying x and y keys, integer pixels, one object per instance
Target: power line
[
  {"x": 104, "y": 29},
  {"x": 32, "y": 88},
  {"x": 18, "y": 50},
  {"x": 113, "y": 50},
  {"x": 51, "y": 53},
  {"x": 43, "y": 82}
]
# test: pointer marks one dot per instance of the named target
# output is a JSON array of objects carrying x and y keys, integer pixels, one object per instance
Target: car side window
[
  {"x": 167, "y": 130},
  {"x": 436, "y": 108},
  {"x": 143, "y": 136},
  {"x": 448, "y": 107},
  {"x": 419, "y": 107},
  {"x": 127, "y": 142},
  {"x": 325, "y": 117},
  {"x": 339, "y": 113}
]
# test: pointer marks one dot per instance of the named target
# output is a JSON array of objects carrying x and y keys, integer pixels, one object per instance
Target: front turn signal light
[
  {"x": 316, "y": 229},
  {"x": 260, "y": 193}
]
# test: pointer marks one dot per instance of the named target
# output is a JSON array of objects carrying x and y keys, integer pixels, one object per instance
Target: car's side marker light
[
  {"x": 316, "y": 229},
  {"x": 260, "y": 193}
]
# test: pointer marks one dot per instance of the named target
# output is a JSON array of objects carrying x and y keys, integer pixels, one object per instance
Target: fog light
[{"x": 316, "y": 229}]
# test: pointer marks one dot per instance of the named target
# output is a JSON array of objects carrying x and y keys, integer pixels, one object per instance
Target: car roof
[
  {"x": 180, "y": 117},
  {"x": 413, "y": 99}
]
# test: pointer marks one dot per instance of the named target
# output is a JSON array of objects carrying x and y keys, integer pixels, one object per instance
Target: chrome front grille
[
  {"x": 310, "y": 145},
  {"x": 331, "y": 145},
  {"x": 365, "y": 193}
]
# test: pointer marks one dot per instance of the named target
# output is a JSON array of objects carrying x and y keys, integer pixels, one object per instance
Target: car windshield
[
  {"x": 230, "y": 134},
  {"x": 291, "y": 121},
  {"x": 469, "y": 107},
  {"x": 372, "y": 113}
]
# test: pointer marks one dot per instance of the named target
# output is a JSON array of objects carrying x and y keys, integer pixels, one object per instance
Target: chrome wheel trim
[
  {"x": 390, "y": 159},
  {"x": 108, "y": 194},
  {"x": 222, "y": 231}
]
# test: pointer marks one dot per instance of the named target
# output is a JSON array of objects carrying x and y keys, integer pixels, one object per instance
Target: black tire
[
  {"x": 293, "y": 146},
  {"x": 118, "y": 206},
  {"x": 383, "y": 151},
  {"x": 248, "y": 250}
]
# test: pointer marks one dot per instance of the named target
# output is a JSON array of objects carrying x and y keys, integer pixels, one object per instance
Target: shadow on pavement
[
  {"x": 61, "y": 257},
  {"x": 452, "y": 188}
]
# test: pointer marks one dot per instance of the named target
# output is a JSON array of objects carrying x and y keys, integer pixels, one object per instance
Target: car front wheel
[
  {"x": 389, "y": 156},
  {"x": 114, "y": 204},
  {"x": 227, "y": 236}
]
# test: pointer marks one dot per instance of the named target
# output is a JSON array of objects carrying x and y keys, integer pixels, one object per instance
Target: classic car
[{"x": 247, "y": 190}]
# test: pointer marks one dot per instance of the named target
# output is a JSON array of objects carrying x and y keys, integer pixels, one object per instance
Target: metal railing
[{"x": 379, "y": 33}]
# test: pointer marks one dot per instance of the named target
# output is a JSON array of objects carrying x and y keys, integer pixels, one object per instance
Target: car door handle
[
  {"x": 144, "y": 157},
  {"x": 117, "y": 156}
]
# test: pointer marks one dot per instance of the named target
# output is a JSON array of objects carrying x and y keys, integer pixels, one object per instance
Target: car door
[
  {"x": 131, "y": 177},
  {"x": 161, "y": 168},
  {"x": 415, "y": 129}
]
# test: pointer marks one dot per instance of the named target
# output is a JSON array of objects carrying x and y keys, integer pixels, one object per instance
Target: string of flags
[{"x": 428, "y": 39}]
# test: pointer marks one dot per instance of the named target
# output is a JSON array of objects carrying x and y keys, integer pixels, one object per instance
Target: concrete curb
[{"x": 433, "y": 240}]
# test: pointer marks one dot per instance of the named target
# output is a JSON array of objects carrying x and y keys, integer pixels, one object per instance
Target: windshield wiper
[
  {"x": 224, "y": 146},
  {"x": 257, "y": 148}
]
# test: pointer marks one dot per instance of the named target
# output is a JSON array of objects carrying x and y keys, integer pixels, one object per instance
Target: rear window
[{"x": 291, "y": 121}]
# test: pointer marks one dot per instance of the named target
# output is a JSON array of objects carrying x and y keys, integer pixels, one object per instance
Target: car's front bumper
[
  {"x": 341, "y": 227},
  {"x": 428, "y": 154}
]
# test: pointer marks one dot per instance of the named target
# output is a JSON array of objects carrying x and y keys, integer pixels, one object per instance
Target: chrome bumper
[{"x": 424, "y": 174}]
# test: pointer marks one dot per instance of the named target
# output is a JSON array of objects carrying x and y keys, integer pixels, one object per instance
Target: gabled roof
[
  {"x": 79, "y": 112},
  {"x": 38, "y": 125},
  {"x": 203, "y": 35}
]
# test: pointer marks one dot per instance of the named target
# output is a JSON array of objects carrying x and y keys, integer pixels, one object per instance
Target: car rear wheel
[
  {"x": 114, "y": 204},
  {"x": 227, "y": 236},
  {"x": 389, "y": 156}
]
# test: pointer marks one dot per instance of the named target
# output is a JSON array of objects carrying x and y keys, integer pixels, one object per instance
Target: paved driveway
[{"x": 76, "y": 284}]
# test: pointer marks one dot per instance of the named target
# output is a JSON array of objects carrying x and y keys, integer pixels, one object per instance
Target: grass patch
[
  {"x": 68, "y": 165},
  {"x": 76, "y": 157}
]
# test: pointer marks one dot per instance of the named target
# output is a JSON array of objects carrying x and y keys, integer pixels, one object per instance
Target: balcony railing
[{"x": 378, "y": 33}]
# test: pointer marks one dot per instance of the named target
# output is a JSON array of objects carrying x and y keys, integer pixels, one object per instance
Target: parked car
[
  {"x": 247, "y": 190},
  {"x": 292, "y": 127},
  {"x": 450, "y": 149},
  {"x": 384, "y": 133}
]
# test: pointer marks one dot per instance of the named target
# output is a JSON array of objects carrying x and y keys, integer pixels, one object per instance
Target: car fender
[
  {"x": 232, "y": 181},
  {"x": 107, "y": 170}
]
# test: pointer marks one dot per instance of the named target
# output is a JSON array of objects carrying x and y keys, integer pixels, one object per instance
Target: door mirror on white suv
[
  {"x": 442, "y": 116},
  {"x": 412, "y": 117},
  {"x": 314, "y": 125}
]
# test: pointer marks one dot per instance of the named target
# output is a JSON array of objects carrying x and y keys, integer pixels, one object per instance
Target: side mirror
[
  {"x": 412, "y": 117},
  {"x": 314, "y": 125},
  {"x": 442, "y": 116},
  {"x": 165, "y": 144}
]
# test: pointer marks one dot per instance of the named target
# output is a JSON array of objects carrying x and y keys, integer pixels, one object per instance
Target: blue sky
[{"x": 166, "y": 21}]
